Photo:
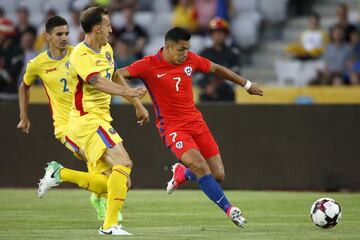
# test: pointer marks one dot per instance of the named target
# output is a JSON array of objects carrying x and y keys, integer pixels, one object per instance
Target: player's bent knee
[
  {"x": 124, "y": 162},
  {"x": 220, "y": 177},
  {"x": 199, "y": 167}
]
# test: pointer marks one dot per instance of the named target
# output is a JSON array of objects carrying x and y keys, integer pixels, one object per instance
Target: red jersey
[{"x": 170, "y": 87}]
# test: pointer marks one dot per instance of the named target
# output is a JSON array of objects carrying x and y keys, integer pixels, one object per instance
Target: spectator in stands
[
  {"x": 119, "y": 5},
  {"x": 212, "y": 87},
  {"x": 354, "y": 75},
  {"x": 312, "y": 43},
  {"x": 343, "y": 21},
  {"x": 133, "y": 33},
  {"x": 23, "y": 24},
  {"x": 76, "y": 33},
  {"x": 123, "y": 54},
  {"x": 205, "y": 11},
  {"x": 11, "y": 58},
  {"x": 2, "y": 12},
  {"x": 184, "y": 15},
  {"x": 223, "y": 8},
  {"x": 40, "y": 42},
  {"x": 300, "y": 7},
  {"x": 337, "y": 56},
  {"x": 27, "y": 43}
]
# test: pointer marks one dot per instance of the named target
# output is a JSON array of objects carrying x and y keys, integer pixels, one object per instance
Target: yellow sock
[
  {"x": 117, "y": 190},
  {"x": 93, "y": 182}
]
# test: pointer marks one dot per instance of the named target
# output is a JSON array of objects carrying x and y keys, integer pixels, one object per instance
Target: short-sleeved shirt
[
  {"x": 58, "y": 83},
  {"x": 170, "y": 87},
  {"x": 84, "y": 63},
  {"x": 336, "y": 56}
]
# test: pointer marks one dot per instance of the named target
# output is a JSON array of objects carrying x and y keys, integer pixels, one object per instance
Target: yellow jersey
[
  {"x": 84, "y": 63},
  {"x": 58, "y": 83}
]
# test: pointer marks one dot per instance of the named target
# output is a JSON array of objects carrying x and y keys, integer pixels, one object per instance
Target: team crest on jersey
[
  {"x": 108, "y": 56},
  {"x": 179, "y": 144},
  {"x": 188, "y": 70},
  {"x": 112, "y": 130},
  {"x": 67, "y": 64}
]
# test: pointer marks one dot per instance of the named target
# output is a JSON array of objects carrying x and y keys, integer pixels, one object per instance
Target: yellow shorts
[
  {"x": 61, "y": 136},
  {"x": 92, "y": 135}
]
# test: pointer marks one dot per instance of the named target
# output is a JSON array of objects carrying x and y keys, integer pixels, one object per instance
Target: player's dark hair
[
  {"x": 54, "y": 22},
  {"x": 343, "y": 6},
  {"x": 315, "y": 15},
  {"x": 91, "y": 17},
  {"x": 177, "y": 33}
]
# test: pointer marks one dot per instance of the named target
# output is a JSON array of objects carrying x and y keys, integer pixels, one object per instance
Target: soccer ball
[{"x": 325, "y": 213}]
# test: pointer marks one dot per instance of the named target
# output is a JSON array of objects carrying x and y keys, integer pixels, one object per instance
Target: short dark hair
[
  {"x": 91, "y": 17},
  {"x": 177, "y": 33},
  {"x": 315, "y": 15},
  {"x": 343, "y": 6},
  {"x": 54, "y": 22}
]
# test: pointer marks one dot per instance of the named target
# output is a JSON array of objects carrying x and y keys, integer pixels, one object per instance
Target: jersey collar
[
  {"x": 57, "y": 59},
  {"x": 161, "y": 58},
  {"x": 88, "y": 46}
]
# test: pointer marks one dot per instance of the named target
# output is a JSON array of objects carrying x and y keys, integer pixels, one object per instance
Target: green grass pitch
[{"x": 152, "y": 214}]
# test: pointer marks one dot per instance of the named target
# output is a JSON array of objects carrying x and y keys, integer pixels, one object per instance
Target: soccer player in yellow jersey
[
  {"x": 52, "y": 67},
  {"x": 90, "y": 130}
]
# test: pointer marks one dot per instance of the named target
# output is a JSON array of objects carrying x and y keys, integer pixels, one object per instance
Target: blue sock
[
  {"x": 213, "y": 190},
  {"x": 189, "y": 175}
]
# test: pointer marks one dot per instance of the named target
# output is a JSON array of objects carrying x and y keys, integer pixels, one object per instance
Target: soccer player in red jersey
[{"x": 168, "y": 78}]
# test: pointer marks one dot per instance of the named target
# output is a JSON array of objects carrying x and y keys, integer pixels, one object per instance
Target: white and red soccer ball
[{"x": 325, "y": 213}]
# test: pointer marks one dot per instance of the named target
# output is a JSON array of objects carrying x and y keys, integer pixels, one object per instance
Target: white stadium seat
[
  {"x": 154, "y": 45},
  {"x": 160, "y": 25},
  {"x": 144, "y": 19},
  {"x": 245, "y": 5},
  {"x": 274, "y": 10},
  {"x": 162, "y": 5},
  {"x": 245, "y": 29}
]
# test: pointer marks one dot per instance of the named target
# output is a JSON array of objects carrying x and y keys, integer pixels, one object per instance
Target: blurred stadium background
[{"x": 266, "y": 40}]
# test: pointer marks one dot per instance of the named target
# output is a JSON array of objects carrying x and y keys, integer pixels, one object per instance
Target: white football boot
[
  {"x": 114, "y": 230},
  {"x": 235, "y": 216},
  {"x": 50, "y": 179}
]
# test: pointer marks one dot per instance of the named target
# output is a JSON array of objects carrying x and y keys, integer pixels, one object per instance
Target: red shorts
[{"x": 194, "y": 135}]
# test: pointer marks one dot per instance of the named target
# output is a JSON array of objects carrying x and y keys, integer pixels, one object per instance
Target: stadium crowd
[{"x": 139, "y": 25}]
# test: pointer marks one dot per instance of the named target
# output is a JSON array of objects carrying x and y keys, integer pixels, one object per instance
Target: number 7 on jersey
[{"x": 178, "y": 80}]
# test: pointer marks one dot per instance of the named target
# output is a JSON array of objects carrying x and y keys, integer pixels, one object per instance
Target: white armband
[{"x": 247, "y": 85}]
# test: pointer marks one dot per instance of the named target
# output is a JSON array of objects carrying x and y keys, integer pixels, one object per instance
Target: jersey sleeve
[
  {"x": 202, "y": 64},
  {"x": 137, "y": 68},
  {"x": 30, "y": 74},
  {"x": 82, "y": 65}
]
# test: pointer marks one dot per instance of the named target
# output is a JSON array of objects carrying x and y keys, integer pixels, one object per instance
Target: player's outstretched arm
[
  {"x": 141, "y": 112},
  {"x": 24, "y": 97},
  {"x": 251, "y": 88},
  {"x": 109, "y": 87}
]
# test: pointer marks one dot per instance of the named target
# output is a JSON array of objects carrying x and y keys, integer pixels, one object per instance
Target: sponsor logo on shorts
[
  {"x": 112, "y": 130},
  {"x": 179, "y": 144}
]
